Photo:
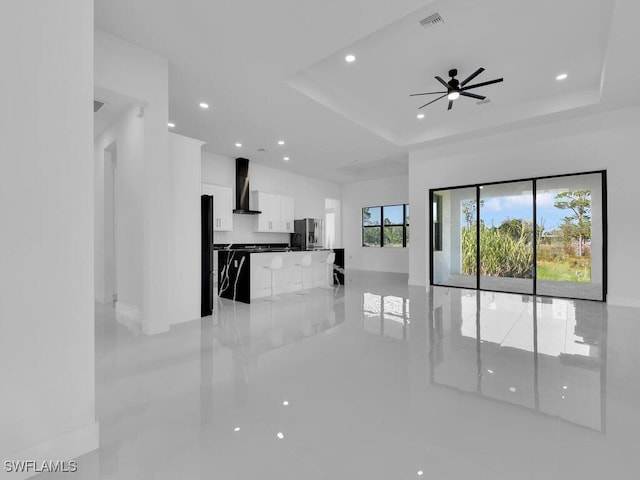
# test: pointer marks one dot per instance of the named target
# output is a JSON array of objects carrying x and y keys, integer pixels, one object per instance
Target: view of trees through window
[
  {"x": 542, "y": 236},
  {"x": 563, "y": 239},
  {"x": 385, "y": 226},
  {"x": 564, "y": 251}
]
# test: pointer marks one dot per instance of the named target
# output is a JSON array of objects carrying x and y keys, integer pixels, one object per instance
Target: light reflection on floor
[
  {"x": 374, "y": 380},
  {"x": 545, "y": 354}
]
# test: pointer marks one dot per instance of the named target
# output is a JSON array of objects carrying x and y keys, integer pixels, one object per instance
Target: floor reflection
[
  {"x": 547, "y": 355},
  {"x": 386, "y": 315},
  {"x": 375, "y": 380}
]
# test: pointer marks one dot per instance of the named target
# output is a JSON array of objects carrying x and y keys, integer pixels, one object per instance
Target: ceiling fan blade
[
  {"x": 472, "y": 95},
  {"x": 472, "y": 76},
  {"x": 426, "y": 93},
  {"x": 446, "y": 85},
  {"x": 450, "y": 104},
  {"x": 432, "y": 101},
  {"x": 497, "y": 80}
]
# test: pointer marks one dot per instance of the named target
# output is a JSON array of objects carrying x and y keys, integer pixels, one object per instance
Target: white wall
[
  {"x": 132, "y": 72},
  {"x": 127, "y": 134},
  {"x": 309, "y": 196},
  {"x": 46, "y": 234},
  {"x": 601, "y": 141},
  {"x": 371, "y": 193},
  {"x": 185, "y": 260}
]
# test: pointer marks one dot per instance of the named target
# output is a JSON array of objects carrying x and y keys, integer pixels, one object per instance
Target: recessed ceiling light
[
  {"x": 285, "y": 403},
  {"x": 420, "y": 473},
  {"x": 562, "y": 76},
  {"x": 350, "y": 58},
  {"x": 238, "y": 145},
  {"x": 237, "y": 429},
  {"x": 512, "y": 389},
  {"x": 420, "y": 116},
  {"x": 286, "y": 159},
  {"x": 280, "y": 142},
  {"x": 280, "y": 435},
  {"x": 204, "y": 106},
  {"x": 171, "y": 125}
]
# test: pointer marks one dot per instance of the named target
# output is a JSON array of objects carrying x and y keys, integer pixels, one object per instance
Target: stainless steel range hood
[{"x": 242, "y": 188}]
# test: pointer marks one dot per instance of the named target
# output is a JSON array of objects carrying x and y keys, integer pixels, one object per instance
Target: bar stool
[
  {"x": 330, "y": 260},
  {"x": 305, "y": 262},
  {"x": 276, "y": 264}
]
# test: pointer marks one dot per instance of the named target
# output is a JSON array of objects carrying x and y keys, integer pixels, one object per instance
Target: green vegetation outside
[{"x": 507, "y": 250}]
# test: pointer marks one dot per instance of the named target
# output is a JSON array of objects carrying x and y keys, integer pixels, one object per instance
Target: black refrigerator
[{"x": 206, "y": 214}]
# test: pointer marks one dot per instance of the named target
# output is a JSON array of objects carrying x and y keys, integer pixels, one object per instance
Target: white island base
[{"x": 287, "y": 279}]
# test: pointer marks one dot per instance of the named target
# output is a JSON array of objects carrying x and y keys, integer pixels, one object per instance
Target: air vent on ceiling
[
  {"x": 97, "y": 105},
  {"x": 431, "y": 20}
]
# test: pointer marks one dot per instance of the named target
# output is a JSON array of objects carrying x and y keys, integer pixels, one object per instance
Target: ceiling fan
[{"x": 456, "y": 88}]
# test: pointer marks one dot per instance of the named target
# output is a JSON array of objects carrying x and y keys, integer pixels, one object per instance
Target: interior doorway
[{"x": 332, "y": 222}]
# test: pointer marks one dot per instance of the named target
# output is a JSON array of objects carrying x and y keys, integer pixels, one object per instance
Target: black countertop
[{"x": 263, "y": 248}]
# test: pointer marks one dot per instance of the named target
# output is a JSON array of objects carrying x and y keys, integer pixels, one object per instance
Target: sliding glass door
[
  {"x": 544, "y": 236},
  {"x": 570, "y": 250},
  {"x": 454, "y": 243},
  {"x": 506, "y": 237}
]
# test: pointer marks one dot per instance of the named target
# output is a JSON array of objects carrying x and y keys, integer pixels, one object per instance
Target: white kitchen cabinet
[
  {"x": 286, "y": 214},
  {"x": 222, "y": 206},
  {"x": 270, "y": 218},
  {"x": 277, "y": 212}
]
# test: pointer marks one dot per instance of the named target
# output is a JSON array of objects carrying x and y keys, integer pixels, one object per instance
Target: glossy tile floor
[{"x": 375, "y": 380}]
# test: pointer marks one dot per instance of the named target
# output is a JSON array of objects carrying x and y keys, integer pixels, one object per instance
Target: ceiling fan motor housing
[{"x": 454, "y": 84}]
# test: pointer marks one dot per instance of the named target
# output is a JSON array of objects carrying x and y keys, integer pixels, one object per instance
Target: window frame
[
  {"x": 436, "y": 222},
  {"x": 478, "y": 186},
  {"x": 382, "y": 225}
]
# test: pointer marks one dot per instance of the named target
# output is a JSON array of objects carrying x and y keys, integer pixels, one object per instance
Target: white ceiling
[{"x": 275, "y": 70}]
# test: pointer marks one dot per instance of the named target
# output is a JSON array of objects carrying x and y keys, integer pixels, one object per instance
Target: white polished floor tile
[{"x": 374, "y": 380}]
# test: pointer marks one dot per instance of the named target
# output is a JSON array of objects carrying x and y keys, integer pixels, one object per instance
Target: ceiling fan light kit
[{"x": 455, "y": 89}]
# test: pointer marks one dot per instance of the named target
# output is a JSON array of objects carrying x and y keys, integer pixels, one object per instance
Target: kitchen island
[{"x": 243, "y": 276}]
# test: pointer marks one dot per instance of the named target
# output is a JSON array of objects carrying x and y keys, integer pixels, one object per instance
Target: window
[
  {"x": 437, "y": 223},
  {"x": 406, "y": 225},
  {"x": 371, "y": 230},
  {"x": 385, "y": 226}
]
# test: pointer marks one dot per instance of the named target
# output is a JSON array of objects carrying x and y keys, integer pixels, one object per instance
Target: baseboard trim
[
  {"x": 185, "y": 319},
  {"x": 64, "y": 448},
  {"x": 623, "y": 302},
  {"x": 154, "y": 329},
  {"x": 416, "y": 283}
]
